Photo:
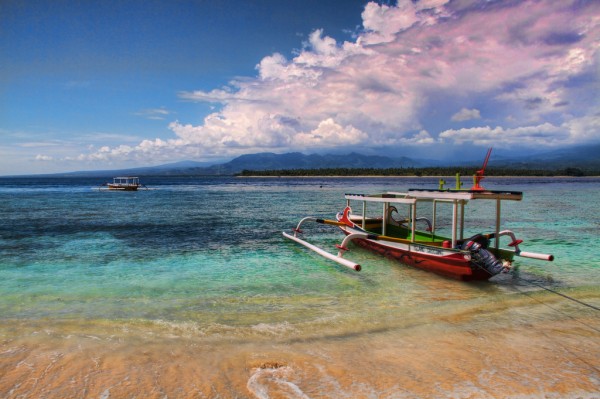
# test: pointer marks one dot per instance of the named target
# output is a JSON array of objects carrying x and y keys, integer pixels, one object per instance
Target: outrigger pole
[
  {"x": 336, "y": 258},
  {"x": 322, "y": 252}
]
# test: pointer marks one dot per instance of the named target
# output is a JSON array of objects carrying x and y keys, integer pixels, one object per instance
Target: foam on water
[{"x": 272, "y": 380}]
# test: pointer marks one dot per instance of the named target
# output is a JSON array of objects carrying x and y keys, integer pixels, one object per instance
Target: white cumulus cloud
[
  {"x": 528, "y": 62},
  {"x": 466, "y": 114}
]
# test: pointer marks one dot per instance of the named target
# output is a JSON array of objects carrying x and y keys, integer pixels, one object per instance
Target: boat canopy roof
[
  {"x": 126, "y": 180},
  {"x": 414, "y": 195},
  {"x": 464, "y": 194}
]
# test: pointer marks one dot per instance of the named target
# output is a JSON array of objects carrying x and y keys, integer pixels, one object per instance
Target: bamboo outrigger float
[{"x": 473, "y": 258}]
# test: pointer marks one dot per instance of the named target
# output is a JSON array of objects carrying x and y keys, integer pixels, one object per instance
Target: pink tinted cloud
[{"x": 377, "y": 90}]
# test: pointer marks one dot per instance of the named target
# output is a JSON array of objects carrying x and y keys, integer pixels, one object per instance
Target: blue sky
[{"x": 112, "y": 84}]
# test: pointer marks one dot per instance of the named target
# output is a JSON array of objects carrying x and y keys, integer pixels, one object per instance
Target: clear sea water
[{"x": 197, "y": 269}]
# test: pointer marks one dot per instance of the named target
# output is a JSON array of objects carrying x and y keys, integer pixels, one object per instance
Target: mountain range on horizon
[{"x": 585, "y": 158}]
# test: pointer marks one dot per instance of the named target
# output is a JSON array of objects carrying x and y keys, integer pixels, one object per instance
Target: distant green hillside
[
  {"x": 572, "y": 161},
  {"x": 429, "y": 171}
]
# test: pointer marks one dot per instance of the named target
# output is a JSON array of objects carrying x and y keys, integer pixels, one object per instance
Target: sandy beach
[{"x": 462, "y": 355}]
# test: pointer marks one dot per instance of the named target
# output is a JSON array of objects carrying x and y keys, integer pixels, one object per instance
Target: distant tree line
[{"x": 429, "y": 171}]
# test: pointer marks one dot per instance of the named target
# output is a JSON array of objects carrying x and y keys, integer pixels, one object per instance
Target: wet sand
[{"x": 460, "y": 356}]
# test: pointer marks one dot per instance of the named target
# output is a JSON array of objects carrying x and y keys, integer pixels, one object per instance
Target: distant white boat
[{"x": 125, "y": 183}]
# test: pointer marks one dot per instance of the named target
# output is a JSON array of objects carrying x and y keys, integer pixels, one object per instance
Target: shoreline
[
  {"x": 533, "y": 357},
  {"x": 180, "y": 294}
]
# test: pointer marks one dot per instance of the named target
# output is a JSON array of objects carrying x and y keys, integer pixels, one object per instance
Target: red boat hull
[{"x": 454, "y": 265}]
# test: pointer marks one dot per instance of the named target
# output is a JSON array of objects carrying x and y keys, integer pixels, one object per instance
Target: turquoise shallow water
[
  {"x": 212, "y": 247},
  {"x": 203, "y": 259}
]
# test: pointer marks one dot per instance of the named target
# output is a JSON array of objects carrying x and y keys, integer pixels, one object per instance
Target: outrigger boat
[
  {"x": 125, "y": 183},
  {"x": 472, "y": 258}
]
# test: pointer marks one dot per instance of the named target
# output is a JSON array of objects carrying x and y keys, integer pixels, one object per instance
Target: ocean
[{"x": 189, "y": 290}]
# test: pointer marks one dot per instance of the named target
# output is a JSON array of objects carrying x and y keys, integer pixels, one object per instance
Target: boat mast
[{"x": 479, "y": 175}]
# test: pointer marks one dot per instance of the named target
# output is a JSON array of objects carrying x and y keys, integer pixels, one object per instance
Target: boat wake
[{"x": 272, "y": 380}]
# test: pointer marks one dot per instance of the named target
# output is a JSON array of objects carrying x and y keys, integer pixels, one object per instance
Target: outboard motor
[{"x": 483, "y": 258}]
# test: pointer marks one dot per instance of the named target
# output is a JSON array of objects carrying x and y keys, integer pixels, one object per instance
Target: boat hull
[
  {"x": 121, "y": 187},
  {"x": 454, "y": 265}
]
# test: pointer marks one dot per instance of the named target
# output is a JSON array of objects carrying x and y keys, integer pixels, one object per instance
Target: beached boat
[
  {"x": 125, "y": 183},
  {"x": 478, "y": 257}
]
